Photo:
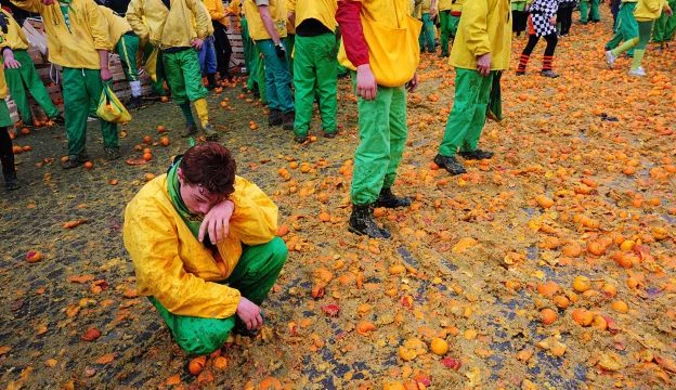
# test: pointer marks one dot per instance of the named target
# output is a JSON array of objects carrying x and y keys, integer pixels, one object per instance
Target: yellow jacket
[
  {"x": 456, "y": 5},
  {"x": 322, "y": 10},
  {"x": 647, "y": 10},
  {"x": 426, "y": 4},
  {"x": 175, "y": 268},
  {"x": 216, "y": 11},
  {"x": 210, "y": 26},
  {"x": 151, "y": 20},
  {"x": 15, "y": 39},
  {"x": 4, "y": 91},
  {"x": 444, "y": 5},
  {"x": 117, "y": 25},
  {"x": 78, "y": 46},
  {"x": 485, "y": 27},
  {"x": 257, "y": 29}
]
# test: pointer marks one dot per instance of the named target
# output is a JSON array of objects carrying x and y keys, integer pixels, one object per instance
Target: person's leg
[
  {"x": 398, "y": 134},
  {"x": 196, "y": 335},
  {"x": 283, "y": 80},
  {"x": 445, "y": 32},
  {"x": 267, "y": 48},
  {"x": 304, "y": 79},
  {"x": 223, "y": 50},
  {"x": 75, "y": 98},
  {"x": 454, "y": 22},
  {"x": 94, "y": 86},
  {"x": 195, "y": 90},
  {"x": 584, "y": 11},
  {"x": 595, "y": 14},
  {"x": 644, "y": 30},
  {"x": 6, "y": 150},
  {"x": 16, "y": 89},
  {"x": 174, "y": 73},
  {"x": 429, "y": 33},
  {"x": 473, "y": 134},
  {"x": 467, "y": 90},
  {"x": 525, "y": 54},
  {"x": 127, "y": 48},
  {"x": 34, "y": 84},
  {"x": 327, "y": 83},
  {"x": 258, "y": 269},
  {"x": 289, "y": 43},
  {"x": 659, "y": 28},
  {"x": 568, "y": 19},
  {"x": 548, "y": 59},
  {"x": 210, "y": 66}
]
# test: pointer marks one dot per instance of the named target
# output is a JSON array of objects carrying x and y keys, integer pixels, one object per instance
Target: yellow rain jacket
[
  {"x": 15, "y": 39},
  {"x": 391, "y": 35},
  {"x": 257, "y": 29},
  {"x": 444, "y": 5},
  {"x": 322, "y": 10},
  {"x": 78, "y": 46},
  {"x": 426, "y": 4},
  {"x": 217, "y": 12},
  {"x": 117, "y": 25},
  {"x": 485, "y": 27},
  {"x": 210, "y": 26},
  {"x": 152, "y": 20},
  {"x": 456, "y": 5},
  {"x": 647, "y": 10},
  {"x": 175, "y": 268}
]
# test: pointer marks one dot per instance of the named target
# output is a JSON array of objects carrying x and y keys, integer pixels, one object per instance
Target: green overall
[
  {"x": 638, "y": 44},
  {"x": 126, "y": 48},
  {"x": 589, "y": 11},
  {"x": 254, "y": 63},
  {"x": 426, "y": 38},
  {"x": 182, "y": 69},
  {"x": 627, "y": 27},
  {"x": 448, "y": 28},
  {"x": 277, "y": 77},
  {"x": 665, "y": 26},
  {"x": 26, "y": 77}
]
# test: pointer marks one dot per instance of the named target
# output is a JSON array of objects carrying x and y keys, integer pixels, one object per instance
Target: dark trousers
[
  {"x": 223, "y": 49},
  {"x": 519, "y": 19},
  {"x": 533, "y": 39},
  {"x": 565, "y": 17},
  {"x": 6, "y": 152}
]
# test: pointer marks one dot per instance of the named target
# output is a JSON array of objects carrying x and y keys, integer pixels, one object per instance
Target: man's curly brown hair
[{"x": 211, "y": 166}]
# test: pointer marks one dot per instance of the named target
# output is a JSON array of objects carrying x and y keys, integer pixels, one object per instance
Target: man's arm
[
  {"x": 264, "y": 11},
  {"x": 291, "y": 9},
  {"x": 475, "y": 28},
  {"x": 202, "y": 19},
  {"x": 349, "y": 20},
  {"x": 135, "y": 19},
  {"x": 99, "y": 29},
  {"x": 254, "y": 220}
]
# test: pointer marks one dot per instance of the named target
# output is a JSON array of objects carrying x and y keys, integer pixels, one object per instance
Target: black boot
[
  {"x": 9, "y": 173},
  {"x": 363, "y": 223},
  {"x": 288, "y": 120},
  {"x": 390, "y": 201},
  {"x": 211, "y": 78},
  {"x": 476, "y": 155},
  {"x": 134, "y": 102},
  {"x": 275, "y": 118},
  {"x": 450, "y": 164}
]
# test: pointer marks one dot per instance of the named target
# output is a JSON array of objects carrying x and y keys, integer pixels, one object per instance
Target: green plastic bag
[{"x": 110, "y": 108}]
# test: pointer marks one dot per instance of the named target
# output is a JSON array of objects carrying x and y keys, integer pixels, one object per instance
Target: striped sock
[
  {"x": 547, "y": 62},
  {"x": 523, "y": 62}
]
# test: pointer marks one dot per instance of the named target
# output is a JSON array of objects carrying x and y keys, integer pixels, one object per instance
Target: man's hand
[
  {"x": 367, "y": 87},
  {"x": 10, "y": 62},
  {"x": 217, "y": 222},
  {"x": 197, "y": 43},
  {"x": 413, "y": 83},
  {"x": 106, "y": 74},
  {"x": 433, "y": 12},
  {"x": 250, "y": 313},
  {"x": 280, "y": 50},
  {"x": 483, "y": 64}
]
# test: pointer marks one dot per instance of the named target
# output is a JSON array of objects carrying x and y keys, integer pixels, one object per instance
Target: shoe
[
  {"x": 363, "y": 223},
  {"x": 212, "y": 84},
  {"x": 549, "y": 73},
  {"x": 639, "y": 72},
  {"x": 190, "y": 130},
  {"x": 519, "y": 73},
  {"x": 275, "y": 118},
  {"x": 301, "y": 139},
  {"x": 72, "y": 162},
  {"x": 329, "y": 135},
  {"x": 134, "y": 102},
  {"x": 450, "y": 164},
  {"x": 12, "y": 183},
  {"x": 476, "y": 155},
  {"x": 210, "y": 133},
  {"x": 288, "y": 120},
  {"x": 112, "y": 153},
  {"x": 390, "y": 201},
  {"x": 9, "y": 172},
  {"x": 58, "y": 120},
  {"x": 610, "y": 59}
]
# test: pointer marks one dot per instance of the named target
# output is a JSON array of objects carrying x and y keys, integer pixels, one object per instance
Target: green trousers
[
  {"x": 249, "y": 47},
  {"x": 182, "y": 70},
  {"x": 5, "y": 118},
  {"x": 589, "y": 11},
  {"x": 468, "y": 116},
  {"x": 26, "y": 77},
  {"x": 426, "y": 38},
  {"x": 315, "y": 73},
  {"x": 665, "y": 26},
  {"x": 639, "y": 44},
  {"x": 446, "y": 29},
  {"x": 627, "y": 27},
  {"x": 289, "y": 44},
  {"x": 126, "y": 48},
  {"x": 382, "y": 138},
  {"x": 82, "y": 88},
  {"x": 277, "y": 77},
  {"x": 254, "y": 276}
]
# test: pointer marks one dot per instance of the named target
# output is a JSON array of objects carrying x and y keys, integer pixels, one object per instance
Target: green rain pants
[
  {"x": 468, "y": 116},
  {"x": 627, "y": 27},
  {"x": 253, "y": 62},
  {"x": 182, "y": 69},
  {"x": 315, "y": 72},
  {"x": 589, "y": 11},
  {"x": 82, "y": 88},
  {"x": 638, "y": 44},
  {"x": 126, "y": 48},
  {"x": 254, "y": 276},
  {"x": 446, "y": 31},
  {"x": 277, "y": 77},
  {"x": 289, "y": 44},
  {"x": 665, "y": 26},
  {"x": 26, "y": 77},
  {"x": 382, "y": 138},
  {"x": 426, "y": 38}
]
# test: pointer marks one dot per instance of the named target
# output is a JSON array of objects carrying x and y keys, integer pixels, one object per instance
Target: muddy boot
[
  {"x": 288, "y": 120},
  {"x": 390, "y": 201},
  {"x": 450, "y": 164},
  {"x": 134, "y": 102},
  {"x": 9, "y": 173},
  {"x": 275, "y": 118},
  {"x": 211, "y": 78},
  {"x": 362, "y": 223},
  {"x": 210, "y": 133},
  {"x": 190, "y": 131},
  {"x": 476, "y": 155}
]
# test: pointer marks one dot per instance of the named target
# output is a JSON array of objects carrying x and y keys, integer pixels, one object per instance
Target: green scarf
[{"x": 174, "y": 188}]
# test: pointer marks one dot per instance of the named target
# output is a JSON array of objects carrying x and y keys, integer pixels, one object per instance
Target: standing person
[
  {"x": 615, "y": 9},
  {"x": 223, "y": 49},
  {"x": 646, "y": 12},
  {"x": 564, "y": 15},
  {"x": 315, "y": 66},
  {"x": 267, "y": 21},
  {"x": 20, "y": 74},
  {"x": 519, "y": 16},
  {"x": 589, "y": 11},
  {"x": 77, "y": 38},
  {"x": 541, "y": 23},
  {"x": 204, "y": 248},
  {"x": 126, "y": 46},
  {"x": 479, "y": 53},
  {"x": 167, "y": 25},
  {"x": 6, "y": 148},
  {"x": 427, "y": 33},
  {"x": 207, "y": 54},
  {"x": 665, "y": 26},
  {"x": 380, "y": 43},
  {"x": 626, "y": 28},
  {"x": 443, "y": 9}
]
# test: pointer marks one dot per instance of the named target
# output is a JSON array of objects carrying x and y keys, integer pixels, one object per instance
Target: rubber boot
[
  {"x": 9, "y": 173},
  {"x": 362, "y": 222},
  {"x": 390, "y": 201},
  {"x": 211, "y": 78}
]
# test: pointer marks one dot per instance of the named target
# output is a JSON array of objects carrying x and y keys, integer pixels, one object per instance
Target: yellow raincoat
[
  {"x": 444, "y": 5},
  {"x": 647, "y": 10},
  {"x": 217, "y": 12},
  {"x": 78, "y": 46},
  {"x": 152, "y": 20},
  {"x": 322, "y": 10},
  {"x": 485, "y": 27},
  {"x": 175, "y": 268},
  {"x": 257, "y": 29},
  {"x": 15, "y": 39},
  {"x": 117, "y": 25}
]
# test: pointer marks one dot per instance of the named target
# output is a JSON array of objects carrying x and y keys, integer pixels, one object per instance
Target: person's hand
[
  {"x": 483, "y": 64},
  {"x": 250, "y": 314},
  {"x": 668, "y": 11},
  {"x": 197, "y": 43},
  {"x": 433, "y": 12},
  {"x": 217, "y": 222},
  {"x": 367, "y": 87},
  {"x": 280, "y": 50},
  {"x": 552, "y": 20},
  {"x": 106, "y": 74},
  {"x": 10, "y": 62},
  {"x": 413, "y": 83}
]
